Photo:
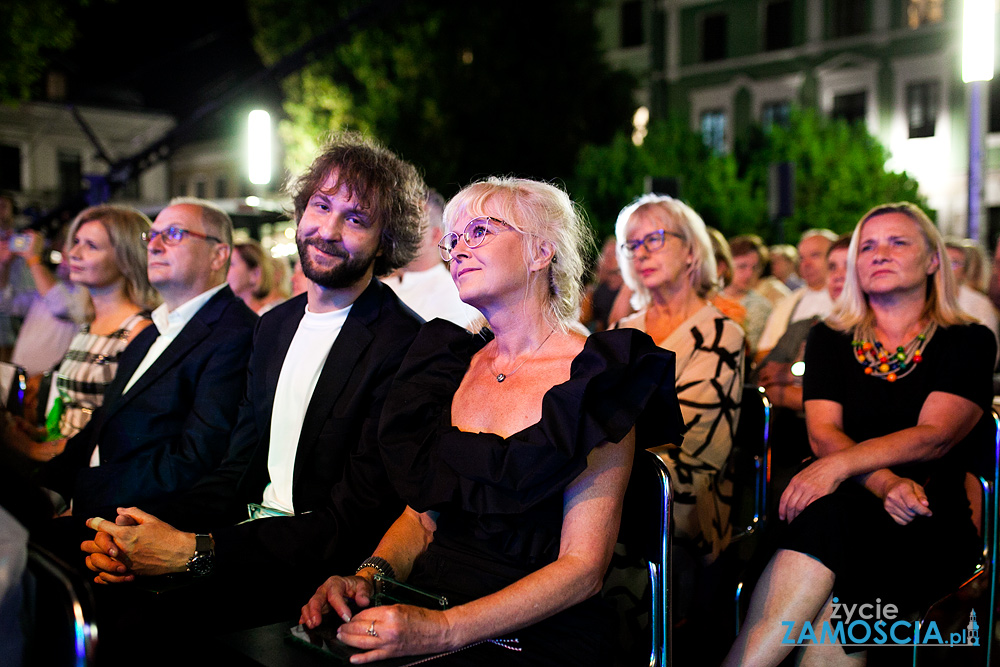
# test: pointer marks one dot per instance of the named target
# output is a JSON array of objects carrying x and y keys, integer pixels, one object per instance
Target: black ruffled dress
[{"x": 501, "y": 499}]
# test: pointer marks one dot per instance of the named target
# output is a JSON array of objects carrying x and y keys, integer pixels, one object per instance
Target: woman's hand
[
  {"x": 396, "y": 630},
  {"x": 904, "y": 500},
  {"x": 335, "y": 593},
  {"x": 820, "y": 478}
]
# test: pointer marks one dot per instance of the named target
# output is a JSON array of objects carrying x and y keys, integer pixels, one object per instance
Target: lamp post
[
  {"x": 978, "y": 20},
  {"x": 259, "y": 148}
]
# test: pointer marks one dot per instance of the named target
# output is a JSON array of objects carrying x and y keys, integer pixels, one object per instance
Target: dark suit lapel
[
  {"x": 280, "y": 344},
  {"x": 345, "y": 354},
  {"x": 196, "y": 330}
]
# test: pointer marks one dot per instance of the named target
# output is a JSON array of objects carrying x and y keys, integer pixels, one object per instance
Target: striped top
[{"x": 87, "y": 369}]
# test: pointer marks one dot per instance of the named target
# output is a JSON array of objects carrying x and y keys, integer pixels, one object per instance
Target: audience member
[
  {"x": 748, "y": 264},
  {"x": 882, "y": 514},
  {"x": 167, "y": 416},
  {"x": 58, "y": 311},
  {"x": 16, "y": 289},
  {"x": 107, "y": 256},
  {"x": 729, "y": 307},
  {"x": 970, "y": 299},
  {"x": 424, "y": 284},
  {"x": 304, "y": 454},
  {"x": 775, "y": 372},
  {"x": 599, "y": 298},
  {"x": 784, "y": 263},
  {"x": 251, "y": 276},
  {"x": 666, "y": 258},
  {"x": 512, "y": 449},
  {"x": 810, "y": 299}
]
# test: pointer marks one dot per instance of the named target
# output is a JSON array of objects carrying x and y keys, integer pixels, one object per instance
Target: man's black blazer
[
  {"x": 173, "y": 426},
  {"x": 343, "y": 499}
]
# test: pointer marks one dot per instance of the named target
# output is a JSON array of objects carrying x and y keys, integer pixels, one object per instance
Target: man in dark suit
[
  {"x": 305, "y": 447},
  {"x": 166, "y": 417}
]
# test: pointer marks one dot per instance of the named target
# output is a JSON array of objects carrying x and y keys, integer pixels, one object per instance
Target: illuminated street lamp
[
  {"x": 978, "y": 21},
  {"x": 259, "y": 133}
]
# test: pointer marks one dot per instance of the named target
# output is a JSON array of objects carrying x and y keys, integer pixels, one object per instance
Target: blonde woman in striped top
[{"x": 108, "y": 257}]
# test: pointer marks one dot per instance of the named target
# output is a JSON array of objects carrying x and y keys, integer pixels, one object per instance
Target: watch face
[{"x": 201, "y": 564}]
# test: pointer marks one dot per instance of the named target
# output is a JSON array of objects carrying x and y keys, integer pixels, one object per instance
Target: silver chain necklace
[{"x": 503, "y": 376}]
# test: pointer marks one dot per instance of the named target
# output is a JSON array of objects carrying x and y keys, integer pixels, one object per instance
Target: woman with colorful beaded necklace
[{"x": 897, "y": 389}]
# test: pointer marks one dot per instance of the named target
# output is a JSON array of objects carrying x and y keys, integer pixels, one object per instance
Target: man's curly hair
[{"x": 389, "y": 189}]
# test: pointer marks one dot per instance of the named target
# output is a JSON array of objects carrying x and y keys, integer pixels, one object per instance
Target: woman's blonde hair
[
  {"x": 544, "y": 214},
  {"x": 852, "y": 312},
  {"x": 124, "y": 226},
  {"x": 682, "y": 220}
]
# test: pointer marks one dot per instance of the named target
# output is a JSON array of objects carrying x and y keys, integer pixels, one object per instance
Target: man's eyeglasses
[
  {"x": 652, "y": 242},
  {"x": 475, "y": 235},
  {"x": 174, "y": 235}
]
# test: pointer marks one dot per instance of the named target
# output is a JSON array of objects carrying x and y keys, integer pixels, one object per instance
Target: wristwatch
[{"x": 203, "y": 560}]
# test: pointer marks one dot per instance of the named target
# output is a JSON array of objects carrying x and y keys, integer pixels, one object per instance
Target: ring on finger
[{"x": 371, "y": 630}]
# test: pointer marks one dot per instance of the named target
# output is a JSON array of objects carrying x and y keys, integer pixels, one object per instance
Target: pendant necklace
[
  {"x": 888, "y": 365},
  {"x": 503, "y": 376}
]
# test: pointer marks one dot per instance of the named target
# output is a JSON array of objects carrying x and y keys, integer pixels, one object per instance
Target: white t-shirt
[
  {"x": 432, "y": 293},
  {"x": 299, "y": 374},
  {"x": 801, "y": 304}
]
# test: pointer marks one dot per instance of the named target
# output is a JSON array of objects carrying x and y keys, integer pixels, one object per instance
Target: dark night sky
[{"x": 173, "y": 56}]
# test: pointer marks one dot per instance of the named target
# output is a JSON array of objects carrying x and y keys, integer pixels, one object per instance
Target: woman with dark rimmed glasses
[
  {"x": 512, "y": 448},
  {"x": 666, "y": 258}
]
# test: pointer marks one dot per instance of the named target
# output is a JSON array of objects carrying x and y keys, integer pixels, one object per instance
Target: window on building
[
  {"x": 10, "y": 168},
  {"x": 713, "y": 130},
  {"x": 776, "y": 113},
  {"x": 200, "y": 189},
  {"x": 221, "y": 187},
  {"x": 921, "y": 108},
  {"x": 70, "y": 170},
  {"x": 924, "y": 12},
  {"x": 851, "y": 107},
  {"x": 631, "y": 23},
  {"x": 848, "y": 17},
  {"x": 713, "y": 37},
  {"x": 778, "y": 25}
]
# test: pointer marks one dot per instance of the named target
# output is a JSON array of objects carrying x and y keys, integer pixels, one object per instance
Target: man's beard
[{"x": 345, "y": 274}]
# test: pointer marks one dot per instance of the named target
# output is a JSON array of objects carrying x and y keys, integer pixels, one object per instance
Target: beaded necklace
[{"x": 890, "y": 366}]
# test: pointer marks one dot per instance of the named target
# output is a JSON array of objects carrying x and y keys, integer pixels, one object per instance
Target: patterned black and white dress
[
  {"x": 87, "y": 369},
  {"x": 709, "y": 348}
]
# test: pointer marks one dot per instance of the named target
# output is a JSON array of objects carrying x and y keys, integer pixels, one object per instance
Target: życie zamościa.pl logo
[{"x": 876, "y": 625}]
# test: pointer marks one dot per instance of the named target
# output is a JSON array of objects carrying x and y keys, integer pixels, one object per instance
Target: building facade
[{"x": 894, "y": 65}]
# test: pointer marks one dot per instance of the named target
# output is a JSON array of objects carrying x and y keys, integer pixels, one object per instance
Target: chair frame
[
  {"x": 661, "y": 570},
  {"x": 762, "y": 467},
  {"x": 79, "y": 602}
]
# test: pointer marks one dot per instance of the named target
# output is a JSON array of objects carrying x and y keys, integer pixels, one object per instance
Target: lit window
[
  {"x": 713, "y": 130},
  {"x": 776, "y": 113},
  {"x": 923, "y": 12}
]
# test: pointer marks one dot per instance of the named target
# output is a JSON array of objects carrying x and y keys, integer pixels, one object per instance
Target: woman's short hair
[
  {"x": 255, "y": 257},
  {"x": 544, "y": 214},
  {"x": 745, "y": 244},
  {"x": 684, "y": 221},
  {"x": 124, "y": 226},
  {"x": 723, "y": 254},
  {"x": 851, "y": 312},
  {"x": 391, "y": 188}
]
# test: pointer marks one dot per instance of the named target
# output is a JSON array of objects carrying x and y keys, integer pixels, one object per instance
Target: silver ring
[{"x": 371, "y": 630}]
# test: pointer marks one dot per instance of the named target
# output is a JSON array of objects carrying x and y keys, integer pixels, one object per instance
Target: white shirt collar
[{"x": 177, "y": 318}]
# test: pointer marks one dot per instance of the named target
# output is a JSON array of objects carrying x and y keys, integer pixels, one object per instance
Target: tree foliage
[
  {"x": 31, "y": 29},
  {"x": 462, "y": 89},
  {"x": 839, "y": 174}
]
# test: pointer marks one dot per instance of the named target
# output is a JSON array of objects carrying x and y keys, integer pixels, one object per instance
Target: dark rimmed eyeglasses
[
  {"x": 174, "y": 235},
  {"x": 652, "y": 242},
  {"x": 475, "y": 235}
]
